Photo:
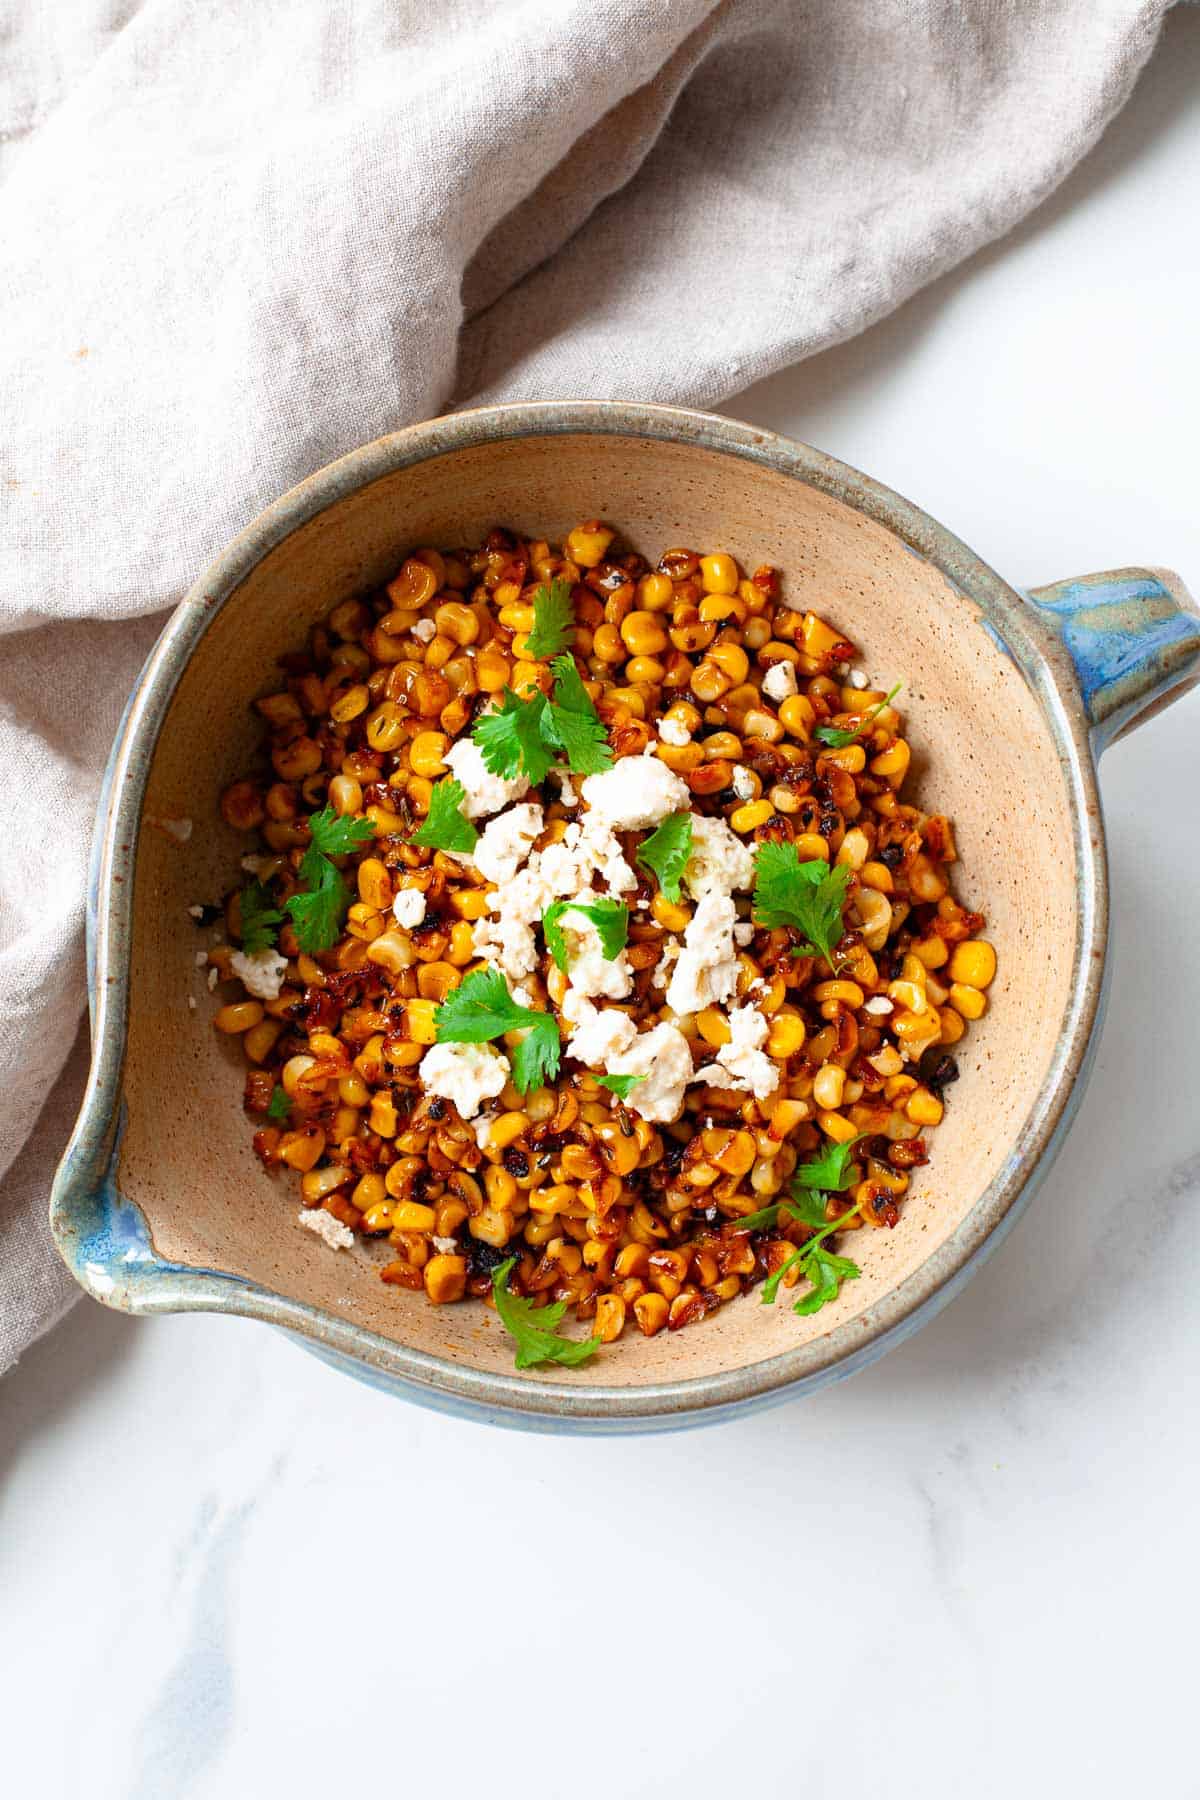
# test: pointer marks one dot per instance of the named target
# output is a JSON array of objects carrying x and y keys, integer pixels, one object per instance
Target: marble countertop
[{"x": 228, "y": 1571}]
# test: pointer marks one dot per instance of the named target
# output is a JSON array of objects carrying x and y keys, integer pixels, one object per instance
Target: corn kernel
[{"x": 973, "y": 963}]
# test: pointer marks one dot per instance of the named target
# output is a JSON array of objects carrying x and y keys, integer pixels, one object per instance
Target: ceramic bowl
[{"x": 160, "y": 1204}]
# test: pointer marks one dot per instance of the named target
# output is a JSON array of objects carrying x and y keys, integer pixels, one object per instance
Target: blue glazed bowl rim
[{"x": 531, "y": 1399}]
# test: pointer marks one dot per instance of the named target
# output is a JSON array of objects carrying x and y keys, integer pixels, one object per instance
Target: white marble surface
[{"x": 227, "y": 1571}]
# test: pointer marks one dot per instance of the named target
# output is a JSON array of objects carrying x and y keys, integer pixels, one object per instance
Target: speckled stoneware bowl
[{"x": 160, "y": 1204}]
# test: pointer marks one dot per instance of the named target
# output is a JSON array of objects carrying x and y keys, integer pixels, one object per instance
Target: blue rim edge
[{"x": 104, "y": 1238}]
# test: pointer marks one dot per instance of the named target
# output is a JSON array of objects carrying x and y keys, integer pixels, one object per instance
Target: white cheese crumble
[
  {"x": 191, "y": 1002},
  {"x": 467, "y": 1074},
  {"x": 195, "y": 912},
  {"x": 507, "y": 841},
  {"x": 879, "y": 1004},
  {"x": 856, "y": 679},
  {"x": 260, "y": 974},
  {"x": 743, "y": 933},
  {"x": 743, "y": 782},
  {"x": 592, "y": 974},
  {"x": 779, "y": 682},
  {"x": 179, "y": 829},
  {"x": 335, "y": 1234},
  {"x": 214, "y": 975},
  {"x": 408, "y": 908},
  {"x": 254, "y": 865},
  {"x": 485, "y": 793},
  {"x": 201, "y": 959},
  {"x": 446, "y": 1246},
  {"x": 666, "y": 962},
  {"x": 562, "y": 871},
  {"x": 674, "y": 732},
  {"x": 600, "y": 1034},
  {"x": 637, "y": 792},
  {"x": 741, "y": 1062},
  {"x": 707, "y": 970},
  {"x": 664, "y": 1061},
  {"x": 424, "y": 631},
  {"x": 566, "y": 788},
  {"x": 720, "y": 861}
]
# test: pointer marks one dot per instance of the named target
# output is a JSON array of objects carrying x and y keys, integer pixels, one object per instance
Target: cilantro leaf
[
  {"x": 610, "y": 917},
  {"x": 260, "y": 918},
  {"x": 808, "y": 897},
  {"x": 280, "y": 1106},
  {"x": 317, "y": 909},
  {"x": 334, "y": 834},
  {"x": 512, "y": 738},
  {"x": 535, "y": 1327},
  {"x": 761, "y": 1220},
  {"x": 828, "y": 1170},
  {"x": 771, "y": 1284},
  {"x": 827, "y": 1273},
  {"x": 572, "y": 724},
  {"x": 553, "y": 619},
  {"x": 620, "y": 1085},
  {"x": 481, "y": 1008},
  {"x": 447, "y": 827},
  {"x": 666, "y": 851},
  {"x": 837, "y": 737}
]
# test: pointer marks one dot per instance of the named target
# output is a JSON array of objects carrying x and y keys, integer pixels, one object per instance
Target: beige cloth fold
[{"x": 241, "y": 239}]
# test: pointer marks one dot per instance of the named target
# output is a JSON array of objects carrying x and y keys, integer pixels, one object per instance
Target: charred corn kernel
[
  {"x": 917, "y": 1029},
  {"x": 952, "y": 1026},
  {"x": 773, "y": 999},
  {"x": 506, "y": 1130},
  {"x": 908, "y": 994},
  {"x": 445, "y": 1279},
  {"x": 878, "y": 877},
  {"x": 732, "y": 660},
  {"x": 318, "y": 1184},
  {"x": 348, "y": 705},
  {"x": 855, "y": 849},
  {"x": 847, "y": 992},
  {"x": 302, "y": 1150},
  {"x": 387, "y": 823},
  {"x": 650, "y": 1311},
  {"x": 887, "y": 1060},
  {"x": 492, "y": 1227},
  {"x": 456, "y": 621},
  {"x": 713, "y": 1026},
  {"x": 643, "y": 635},
  {"x": 891, "y": 765},
  {"x": 345, "y": 795},
  {"x": 374, "y": 884},
  {"x": 610, "y": 1316},
  {"x": 352, "y": 1089},
  {"x": 471, "y": 903},
  {"x": 851, "y": 757},
  {"x": 426, "y": 754},
  {"x": 242, "y": 1015},
  {"x": 968, "y": 1001},
  {"x": 818, "y": 638},
  {"x": 785, "y": 1036},
  {"x": 409, "y": 1215},
  {"x": 383, "y": 1117},
  {"x": 414, "y": 585},
  {"x": 607, "y": 644},
  {"x": 461, "y": 949},
  {"x": 419, "y": 1022},
  {"x": 631, "y": 698},
  {"x": 517, "y": 619},
  {"x": 492, "y": 670},
  {"x": 586, "y": 544},
  {"x": 762, "y": 725},
  {"x": 436, "y": 979},
  {"x": 828, "y": 1084},
  {"x": 924, "y": 1108},
  {"x": 403, "y": 1056},
  {"x": 913, "y": 969},
  {"x": 671, "y": 914},
  {"x": 656, "y": 592},
  {"x": 682, "y": 758},
  {"x": 749, "y": 817},
  {"x": 499, "y": 1186},
  {"x": 766, "y": 1178},
  {"x": 385, "y": 727},
  {"x": 370, "y": 1191},
  {"x": 811, "y": 847},
  {"x": 709, "y": 682},
  {"x": 874, "y": 914},
  {"x": 973, "y": 964},
  {"x": 718, "y": 574},
  {"x": 797, "y": 715},
  {"x": 837, "y": 1126},
  {"x": 259, "y": 1041}
]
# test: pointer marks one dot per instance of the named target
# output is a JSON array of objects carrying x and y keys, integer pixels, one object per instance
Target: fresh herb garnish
[
  {"x": 280, "y": 1106},
  {"x": 553, "y": 619},
  {"x": 620, "y": 1085},
  {"x": 482, "y": 1008},
  {"x": 837, "y": 736},
  {"x": 317, "y": 910},
  {"x": 808, "y": 897},
  {"x": 512, "y": 738},
  {"x": 446, "y": 826},
  {"x": 573, "y": 724},
  {"x": 610, "y": 917},
  {"x": 829, "y": 1170},
  {"x": 260, "y": 918},
  {"x": 666, "y": 851},
  {"x": 821, "y": 1267},
  {"x": 535, "y": 1327}
]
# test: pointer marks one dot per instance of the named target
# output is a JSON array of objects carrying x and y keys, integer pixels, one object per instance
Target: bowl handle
[{"x": 1134, "y": 638}]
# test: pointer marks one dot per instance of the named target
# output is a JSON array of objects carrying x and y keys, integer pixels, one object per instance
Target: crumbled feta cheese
[
  {"x": 562, "y": 871},
  {"x": 467, "y": 1074},
  {"x": 201, "y": 959},
  {"x": 408, "y": 908},
  {"x": 743, "y": 933},
  {"x": 195, "y": 912},
  {"x": 335, "y": 1234},
  {"x": 507, "y": 841},
  {"x": 566, "y": 788},
  {"x": 637, "y": 792},
  {"x": 214, "y": 975},
  {"x": 191, "y": 1002},
  {"x": 674, "y": 732},
  {"x": 600, "y": 1034},
  {"x": 741, "y": 1062},
  {"x": 743, "y": 783},
  {"x": 719, "y": 862},
  {"x": 856, "y": 679},
  {"x": 779, "y": 682},
  {"x": 254, "y": 865},
  {"x": 485, "y": 793},
  {"x": 260, "y": 974},
  {"x": 179, "y": 829},
  {"x": 592, "y": 973},
  {"x": 879, "y": 1004},
  {"x": 666, "y": 962},
  {"x": 424, "y": 631},
  {"x": 445, "y": 1246},
  {"x": 707, "y": 970},
  {"x": 664, "y": 1061}
]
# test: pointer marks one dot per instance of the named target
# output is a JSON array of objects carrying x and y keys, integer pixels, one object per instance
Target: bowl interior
[{"x": 983, "y": 753}]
